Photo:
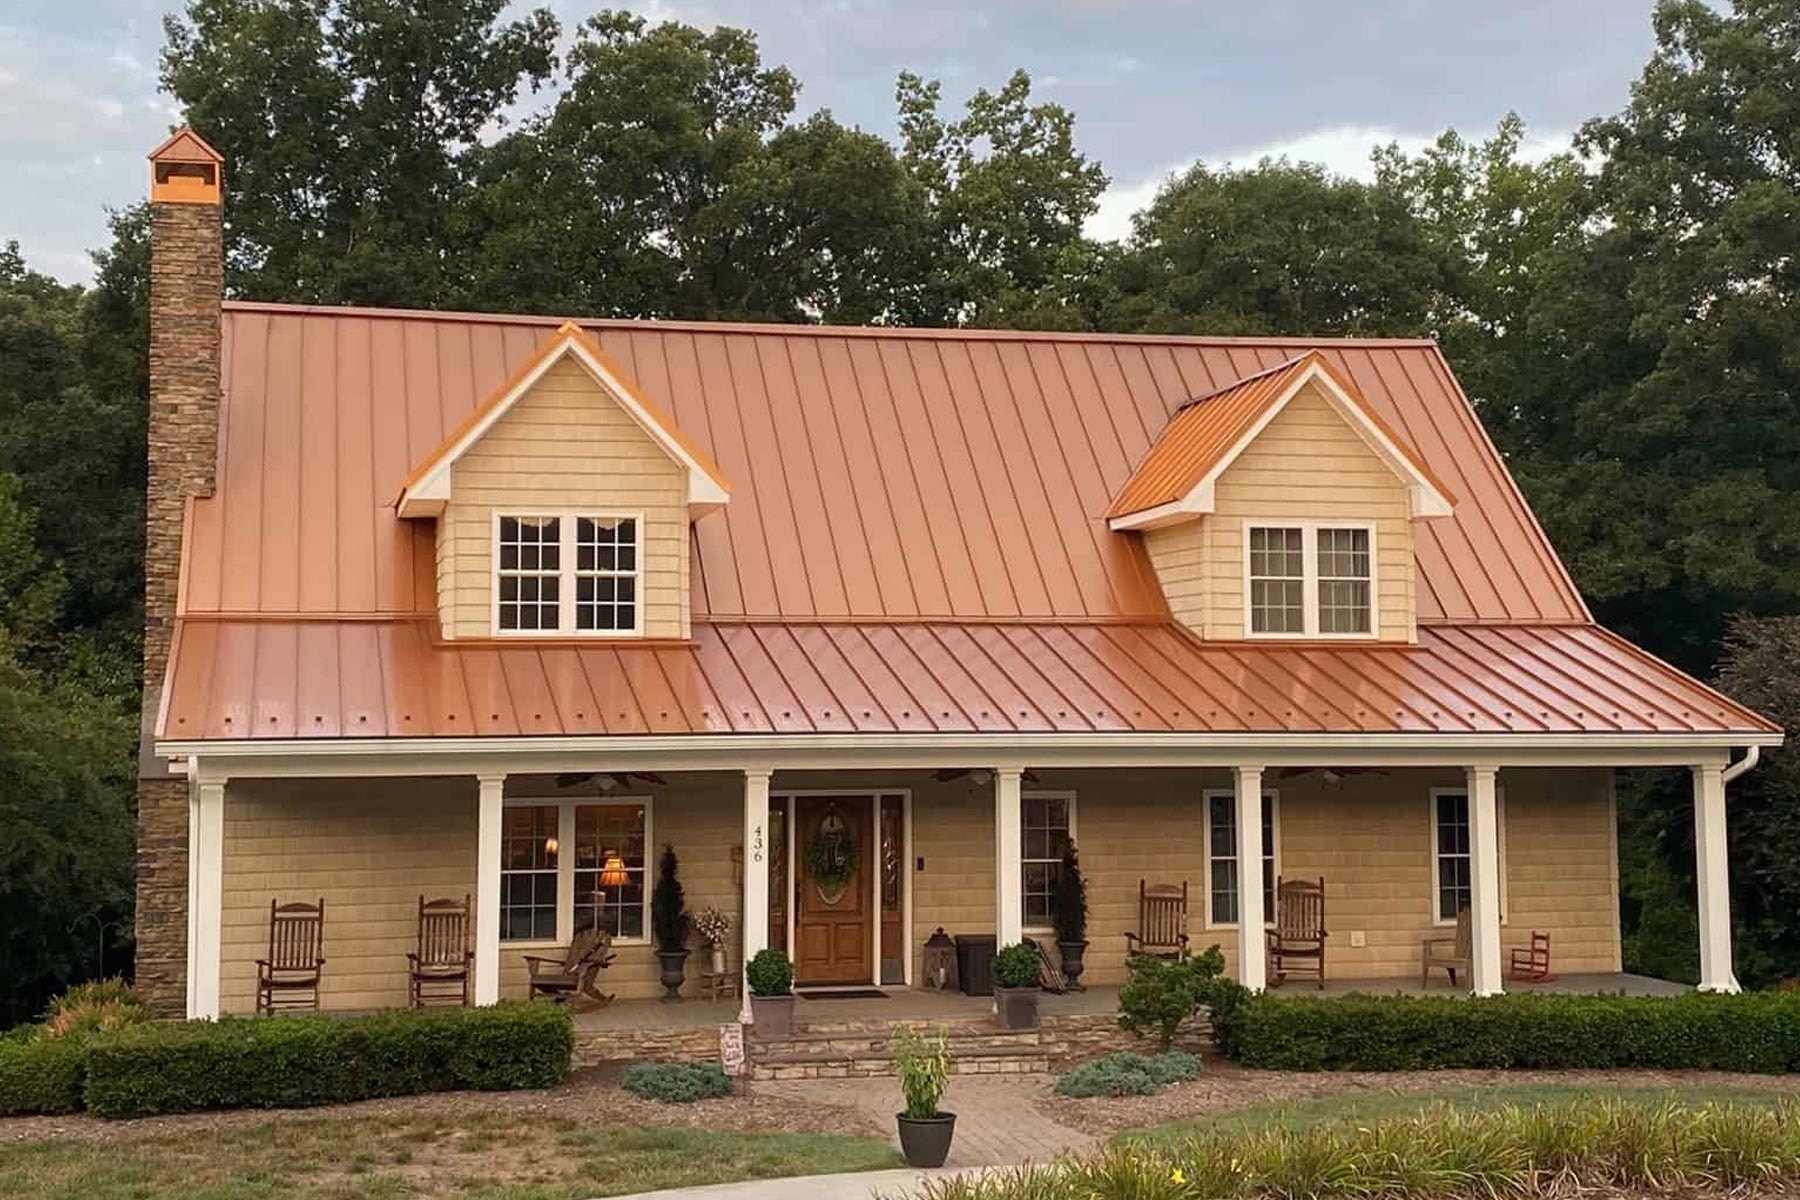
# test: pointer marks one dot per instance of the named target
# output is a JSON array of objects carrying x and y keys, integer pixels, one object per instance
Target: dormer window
[
  {"x": 1305, "y": 579},
  {"x": 567, "y": 573}
]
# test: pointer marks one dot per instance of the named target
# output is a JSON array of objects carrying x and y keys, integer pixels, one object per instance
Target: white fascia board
[{"x": 851, "y": 751}]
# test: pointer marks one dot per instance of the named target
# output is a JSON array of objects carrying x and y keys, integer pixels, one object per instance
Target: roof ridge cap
[{"x": 1278, "y": 368}]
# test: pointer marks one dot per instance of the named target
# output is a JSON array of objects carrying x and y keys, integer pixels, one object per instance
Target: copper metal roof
[
  {"x": 241, "y": 679},
  {"x": 878, "y": 474},
  {"x": 1204, "y": 431}
]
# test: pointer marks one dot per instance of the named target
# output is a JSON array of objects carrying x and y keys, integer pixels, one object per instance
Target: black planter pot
[
  {"x": 925, "y": 1141},
  {"x": 1017, "y": 1007},
  {"x": 1074, "y": 956},
  {"x": 674, "y": 967}
]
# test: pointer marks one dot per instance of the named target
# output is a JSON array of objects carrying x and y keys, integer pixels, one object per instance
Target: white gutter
[{"x": 1752, "y": 756}]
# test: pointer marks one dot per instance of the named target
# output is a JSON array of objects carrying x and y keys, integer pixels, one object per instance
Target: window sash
[
  {"x": 1277, "y": 579},
  {"x": 1452, "y": 860},
  {"x": 1222, "y": 859},
  {"x": 1316, "y": 591},
  {"x": 575, "y": 881},
  {"x": 587, "y": 601},
  {"x": 1046, "y": 828},
  {"x": 529, "y": 858}
]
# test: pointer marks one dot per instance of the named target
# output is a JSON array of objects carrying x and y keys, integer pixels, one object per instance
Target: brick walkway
[{"x": 997, "y": 1125}]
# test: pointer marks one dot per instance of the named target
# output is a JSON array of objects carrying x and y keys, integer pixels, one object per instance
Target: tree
[
  {"x": 345, "y": 126},
  {"x": 1276, "y": 248}
]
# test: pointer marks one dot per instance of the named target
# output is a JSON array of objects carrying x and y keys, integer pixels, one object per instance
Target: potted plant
[
  {"x": 1069, "y": 914},
  {"x": 771, "y": 979},
  {"x": 924, "y": 1066},
  {"x": 1016, "y": 986},
  {"x": 669, "y": 922},
  {"x": 711, "y": 926}
]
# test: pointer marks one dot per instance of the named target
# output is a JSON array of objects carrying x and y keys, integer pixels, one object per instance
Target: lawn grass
[
  {"x": 1367, "y": 1107},
  {"x": 491, "y": 1157}
]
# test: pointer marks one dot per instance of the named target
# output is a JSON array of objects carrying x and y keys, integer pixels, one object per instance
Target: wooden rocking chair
[
  {"x": 1532, "y": 965},
  {"x": 1162, "y": 921},
  {"x": 1297, "y": 943},
  {"x": 1453, "y": 954},
  {"x": 289, "y": 977},
  {"x": 571, "y": 978},
  {"x": 441, "y": 966}
]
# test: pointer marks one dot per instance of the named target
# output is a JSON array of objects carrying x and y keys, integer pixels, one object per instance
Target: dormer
[
  {"x": 1281, "y": 507},
  {"x": 563, "y": 506}
]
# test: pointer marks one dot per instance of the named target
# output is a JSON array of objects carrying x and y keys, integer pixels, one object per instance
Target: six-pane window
[
  {"x": 1045, "y": 831},
  {"x": 1222, "y": 858},
  {"x": 605, "y": 573},
  {"x": 530, "y": 573},
  {"x": 1343, "y": 580},
  {"x": 1277, "y": 581},
  {"x": 528, "y": 871},
  {"x": 567, "y": 573}
]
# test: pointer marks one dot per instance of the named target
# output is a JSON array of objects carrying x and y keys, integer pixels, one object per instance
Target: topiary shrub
[
  {"x": 1017, "y": 966},
  {"x": 1164, "y": 992},
  {"x": 301, "y": 1061},
  {"x": 770, "y": 974},
  {"x": 1128, "y": 1074},
  {"x": 668, "y": 904},
  {"x": 1068, "y": 905},
  {"x": 676, "y": 1083},
  {"x": 40, "y": 1075}
]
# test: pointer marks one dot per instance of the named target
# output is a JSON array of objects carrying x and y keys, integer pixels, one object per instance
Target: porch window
[
  {"x": 1221, "y": 857},
  {"x": 604, "y": 832},
  {"x": 1451, "y": 860},
  {"x": 1309, "y": 580},
  {"x": 1047, "y": 826},
  {"x": 564, "y": 573},
  {"x": 528, "y": 873}
]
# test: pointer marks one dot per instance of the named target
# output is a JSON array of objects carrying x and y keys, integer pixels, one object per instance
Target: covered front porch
[{"x": 1403, "y": 839}]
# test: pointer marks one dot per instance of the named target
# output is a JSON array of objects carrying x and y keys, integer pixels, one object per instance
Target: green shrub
[
  {"x": 668, "y": 903},
  {"x": 1128, "y": 1074},
  {"x": 1164, "y": 992},
  {"x": 300, "y": 1061},
  {"x": 770, "y": 974},
  {"x": 1068, "y": 904},
  {"x": 676, "y": 1083},
  {"x": 1758, "y": 1032},
  {"x": 1017, "y": 966},
  {"x": 924, "y": 1066},
  {"x": 39, "y": 1074},
  {"x": 100, "y": 1004}
]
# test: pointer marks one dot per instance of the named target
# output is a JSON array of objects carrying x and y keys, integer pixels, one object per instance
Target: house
[{"x": 444, "y": 604}]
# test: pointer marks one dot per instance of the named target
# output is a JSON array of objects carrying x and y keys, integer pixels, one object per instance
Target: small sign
[{"x": 731, "y": 1049}]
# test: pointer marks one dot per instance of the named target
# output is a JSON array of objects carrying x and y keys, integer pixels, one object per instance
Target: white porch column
[
  {"x": 756, "y": 874},
  {"x": 1253, "y": 960},
  {"x": 487, "y": 888},
  {"x": 1713, "y": 879},
  {"x": 206, "y": 865},
  {"x": 193, "y": 888},
  {"x": 1009, "y": 852},
  {"x": 1484, "y": 879}
]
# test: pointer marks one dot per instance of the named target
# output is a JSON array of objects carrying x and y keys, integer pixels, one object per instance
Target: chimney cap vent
[{"x": 185, "y": 170}]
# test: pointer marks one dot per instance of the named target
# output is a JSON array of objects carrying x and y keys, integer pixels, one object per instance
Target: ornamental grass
[{"x": 1611, "y": 1146}]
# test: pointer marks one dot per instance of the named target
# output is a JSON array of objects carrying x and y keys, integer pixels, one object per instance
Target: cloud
[{"x": 1344, "y": 150}]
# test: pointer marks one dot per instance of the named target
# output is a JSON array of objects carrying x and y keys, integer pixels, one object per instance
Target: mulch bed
[
  {"x": 1222, "y": 1087},
  {"x": 592, "y": 1095}
]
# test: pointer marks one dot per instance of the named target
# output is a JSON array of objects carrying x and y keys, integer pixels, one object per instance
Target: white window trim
[
  {"x": 1206, "y": 850},
  {"x": 1500, "y": 831},
  {"x": 1065, "y": 794},
  {"x": 1309, "y": 553},
  {"x": 567, "y": 573},
  {"x": 565, "y": 863}
]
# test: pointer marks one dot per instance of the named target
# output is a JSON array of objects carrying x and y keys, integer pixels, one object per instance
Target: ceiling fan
[
  {"x": 610, "y": 781},
  {"x": 1331, "y": 775},
  {"x": 980, "y": 776}
]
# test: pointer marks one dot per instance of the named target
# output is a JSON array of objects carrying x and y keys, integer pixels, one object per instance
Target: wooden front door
[{"x": 834, "y": 918}]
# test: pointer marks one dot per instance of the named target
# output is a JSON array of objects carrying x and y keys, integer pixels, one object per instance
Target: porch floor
[{"x": 912, "y": 1004}]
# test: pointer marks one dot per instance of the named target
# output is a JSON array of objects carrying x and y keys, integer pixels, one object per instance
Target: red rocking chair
[{"x": 1533, "y": 965}]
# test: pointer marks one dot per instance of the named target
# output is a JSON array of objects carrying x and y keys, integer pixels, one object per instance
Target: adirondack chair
[
  {"x": 1162, "y": 920},
  {"x": 289, "y": 977},
  {"x": 1533, "y": 965},
  {"x": 571, "y": 978},
  {"x": 1297, "y": 943},
  {"x": 442, "y": 965},
  {"x": 1451, "y": 953}
]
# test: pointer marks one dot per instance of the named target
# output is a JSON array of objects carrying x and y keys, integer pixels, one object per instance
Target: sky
[{"x": 1155, "y": 84}]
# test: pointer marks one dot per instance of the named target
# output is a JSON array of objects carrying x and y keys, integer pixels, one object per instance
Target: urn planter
[
  {"x": 674, "y": 968},
  {"x": 925, "y": 1141},
  {"x": 1074, "y": 956}
]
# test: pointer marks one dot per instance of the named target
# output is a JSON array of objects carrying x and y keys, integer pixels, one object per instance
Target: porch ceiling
[{"x": 238, "y": 679}]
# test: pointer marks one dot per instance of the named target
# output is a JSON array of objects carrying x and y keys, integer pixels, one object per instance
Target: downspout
[{"x": 1752, "y": 756}]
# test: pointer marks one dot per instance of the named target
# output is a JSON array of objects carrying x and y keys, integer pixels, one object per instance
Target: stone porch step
[{"x": 872, "y": 1063}]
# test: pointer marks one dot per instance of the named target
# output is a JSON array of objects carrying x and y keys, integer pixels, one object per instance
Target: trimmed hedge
[
  {"x": 39, "y": 1074},
  {"x": 1758, "y": 1032},
  {"x": 292, "y": 1062}
]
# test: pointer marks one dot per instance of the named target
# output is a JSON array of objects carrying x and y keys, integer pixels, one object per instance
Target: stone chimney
[{"x": 187, "y": 183}]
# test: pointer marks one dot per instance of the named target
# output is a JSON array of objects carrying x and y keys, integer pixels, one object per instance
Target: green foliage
[
  {"x": 299, "y": 1061},
  {"x": 1068, "y": 902},
  {"x": 1128, "y": 1074},
  {"x": 832, "y": 858},
  {"x": 93, "y": 1007},
  {"x": 770, "y": 973},
  {"x": 40, "y": 1074},
  {"x": 1017, "y": 966},
  {"x": 1607, "y": 1145},
  {"x": 1755, "y": 1032},
  {"x": 1164, "y": 992},
  {"x": 668, "y": 903},
  {"x": 676, "y": 1083},
  {"x": 924, "y": 1066}
]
